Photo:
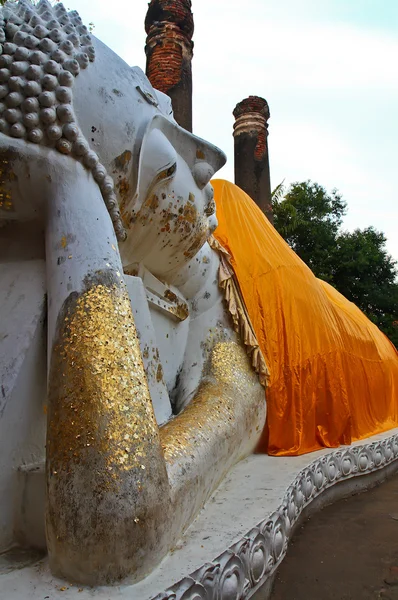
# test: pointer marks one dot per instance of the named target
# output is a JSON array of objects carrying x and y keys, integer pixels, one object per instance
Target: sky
[{"x": 328, "y": 69}]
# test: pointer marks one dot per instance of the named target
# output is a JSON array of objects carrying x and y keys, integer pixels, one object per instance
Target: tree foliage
[
  {"x": 356, "y": 263},
  {"x": 309, "y": 219}
]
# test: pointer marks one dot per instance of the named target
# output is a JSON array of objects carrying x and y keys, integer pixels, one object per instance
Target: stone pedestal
[
  {"x": 169, "y": 50},
  {"x": 251, "y": 151},
  {"x": 238, "y": 541}
]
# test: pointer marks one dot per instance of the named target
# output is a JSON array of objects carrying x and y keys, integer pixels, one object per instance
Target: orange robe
[{"x": 333, "y": 373}]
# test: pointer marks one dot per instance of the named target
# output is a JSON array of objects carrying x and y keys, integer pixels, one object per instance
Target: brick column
[
  {"x": 251, "y": 151},
  {"x": 169, "y": 50}
]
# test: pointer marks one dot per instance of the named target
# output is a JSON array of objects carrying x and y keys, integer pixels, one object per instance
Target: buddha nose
[{"x": 202, "y": 173}]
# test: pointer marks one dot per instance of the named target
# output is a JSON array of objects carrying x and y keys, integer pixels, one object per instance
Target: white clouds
[{"x": 314, "y": 56}]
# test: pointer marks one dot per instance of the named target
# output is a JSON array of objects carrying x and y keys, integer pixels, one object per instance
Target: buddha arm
[
  {"x": 107, "y": 486},
  {"x": 220, "y": 426}
]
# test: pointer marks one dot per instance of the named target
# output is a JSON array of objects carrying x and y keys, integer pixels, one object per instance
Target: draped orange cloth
[{"x": 333, "y": 373}]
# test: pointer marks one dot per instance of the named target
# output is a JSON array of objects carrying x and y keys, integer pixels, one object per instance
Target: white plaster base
[{"x": 246, "y": 525}]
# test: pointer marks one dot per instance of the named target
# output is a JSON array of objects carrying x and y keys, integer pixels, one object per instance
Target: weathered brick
[
  {"x": 169, "y": 48},
  {"x": 251, "y": 151}
]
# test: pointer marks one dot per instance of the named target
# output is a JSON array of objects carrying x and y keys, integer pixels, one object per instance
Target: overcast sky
[{"x": 328, "y": 69}]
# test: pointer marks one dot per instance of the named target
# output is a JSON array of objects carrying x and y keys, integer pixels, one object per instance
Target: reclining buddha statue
[
  {"x": 134, "y": 344},
  {"x": 106, "y": 212}
]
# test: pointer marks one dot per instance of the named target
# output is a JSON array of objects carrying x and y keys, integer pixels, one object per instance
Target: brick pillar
[
  {"x": 251, "y": 151},
  {"x": 169, "y": 50}
]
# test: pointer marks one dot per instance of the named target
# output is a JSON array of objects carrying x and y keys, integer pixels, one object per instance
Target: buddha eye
[
  {"x": 171, "y": 170},
  {"x": 165, "y": 174}
]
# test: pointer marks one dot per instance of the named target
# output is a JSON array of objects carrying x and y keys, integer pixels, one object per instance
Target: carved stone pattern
[
  {"x": 43, "y": 49},
  {"x": 239, "y": 571}
]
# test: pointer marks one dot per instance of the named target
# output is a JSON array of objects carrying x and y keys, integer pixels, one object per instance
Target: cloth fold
[
  {"x": 332, "y": 374},
  {"x": 237, "y": 309}
]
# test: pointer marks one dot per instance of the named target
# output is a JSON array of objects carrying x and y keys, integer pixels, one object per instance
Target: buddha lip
[{"x": 210, "y": 209}]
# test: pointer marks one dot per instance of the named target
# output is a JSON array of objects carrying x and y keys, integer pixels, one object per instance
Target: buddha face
[
  {"x": 174, "y": 211},
  {"x": 161, "y": 172}
]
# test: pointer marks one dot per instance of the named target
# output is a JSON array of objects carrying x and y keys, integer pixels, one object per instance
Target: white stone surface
[
  {"x": 251, "y": 492},
  {"x": 22, "y": 289},
  {"x": 149, "y": 348},
  {"x": 29, "y": 525},
  {"x": 22, "y": 382}
]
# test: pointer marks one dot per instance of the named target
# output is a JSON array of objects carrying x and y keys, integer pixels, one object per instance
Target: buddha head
[
  {"x": 161, "y": 172},
  {"x": 64, "y": 90}
]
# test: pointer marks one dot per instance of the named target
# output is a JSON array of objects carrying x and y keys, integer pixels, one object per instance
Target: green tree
[
  {"x": 365, "y": 273},
  {"x": 309, "y": 219},
  {"x": 355, "y": 263}
]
